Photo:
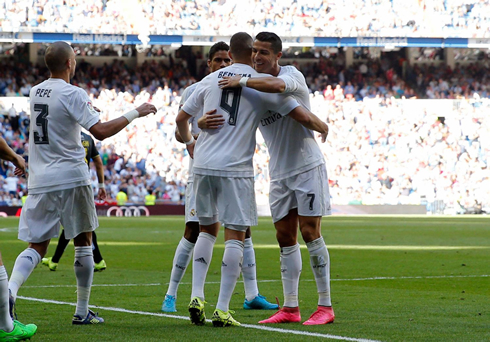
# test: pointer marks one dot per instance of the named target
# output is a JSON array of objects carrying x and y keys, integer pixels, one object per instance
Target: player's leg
[
  {"x": 183, "y": 253},
  {"x": 60, "y": 249},
  {"x": 237, "y": 211},
  {"x": 5, "y": 319},
  {"x": 253, "y": 299},
  {"x": 313, "y": 203},
  {"x": 80, "y": 219},
  {"x": 99, "y": 262},
  {"x": 203, "y": 251},
  {"x": 10, "y": 330},
  {"x": 52, "y": 263},
  {"x": 230, "y": 271},
  {"x": 181, "y": 260},
  {"x": 285, "y": 216},
  {"x": 39, "y": 222}
]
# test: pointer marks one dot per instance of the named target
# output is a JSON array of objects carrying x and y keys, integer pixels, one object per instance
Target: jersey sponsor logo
[
  {"x": 128, "y": 211},
  {"x": 273, "y": 117}
]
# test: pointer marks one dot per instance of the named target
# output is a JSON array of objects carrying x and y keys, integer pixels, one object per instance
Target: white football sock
[
  {"x": 84, "y": 272},
  {"x": 249, "y": 270},
  {"x": 182, "y": 256},
  {"x": 320, "y": 264},
  {"x": 230, "y": 271},
  {"x": 5, "y": 320},
  {"x": 23, "y": 267},
  {"x": 290, "y": 271},
  {"x": 203, "y": 253}
]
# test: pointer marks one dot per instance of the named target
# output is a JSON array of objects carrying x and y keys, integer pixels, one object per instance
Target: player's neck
[
  {"x": 275, "y": 70},
  {"x": 246, "y": 61},
  {"x": 64, "y": 76}
]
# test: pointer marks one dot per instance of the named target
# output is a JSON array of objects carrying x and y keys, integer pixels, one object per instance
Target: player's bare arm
[
  {"x": 102, "y": 130},
  {"x": 310, "y": 121},
  {"x": 8, "y": 154},
  {"x": 210, "y": 120},
  {"x": 99, "y": 169},
  {"x": 264, "y": 84},
  {"x": 182, "y": 122}
]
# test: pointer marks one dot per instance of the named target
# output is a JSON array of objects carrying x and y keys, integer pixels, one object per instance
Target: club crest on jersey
[
  {"x": 90, "y": 107},
  {"x": 193, "y": 212}
]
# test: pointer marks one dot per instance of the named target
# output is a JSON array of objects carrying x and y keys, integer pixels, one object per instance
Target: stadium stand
[{"x": 382, "y": 18}]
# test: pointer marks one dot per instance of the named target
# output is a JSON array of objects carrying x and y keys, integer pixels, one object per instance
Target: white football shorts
[
  {"x": 190, "y": 204},
  {"x": 307, "y": 191},
  {"x": 228, "y": 200},
  {"x": 42, "y": 214}
]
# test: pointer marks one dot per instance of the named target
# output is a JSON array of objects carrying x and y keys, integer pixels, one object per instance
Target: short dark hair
[
  {"x": 56, "y": 56},
  {"x": 270, "y": 37},
  {"x": 241, "y": 44},
  {"x": 219, "y": 46}
]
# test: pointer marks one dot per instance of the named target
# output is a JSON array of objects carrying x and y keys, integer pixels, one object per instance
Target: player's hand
[
  {"x": 211, "y": 120},
  {"x": 324, "y": 135},
  {"x": 102, "y": 194},
  {"x": 145, "y": 109},
  {"x": 230, "y": 82},
  {"x": 20, "y": 165},
  {"x": 190, "y": 149}
]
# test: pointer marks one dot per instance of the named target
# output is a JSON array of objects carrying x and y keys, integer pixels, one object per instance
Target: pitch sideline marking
[
  {"x": 272, "y": 281},
  {"x": 251, "y": 326}
]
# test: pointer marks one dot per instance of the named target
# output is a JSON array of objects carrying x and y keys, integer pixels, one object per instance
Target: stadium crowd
[
  {"x": 386, "y": 18},
  {"x": 376, "y": 133}
]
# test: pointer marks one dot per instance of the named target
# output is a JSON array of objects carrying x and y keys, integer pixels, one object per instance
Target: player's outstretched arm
[
  {"x": 182, "y": 122},
  {"x": 264, "y": 84},
  {"x": 102, "y": 130},
  {"x": 99, "y": 169},
  {"x": 8, "y": 154},
  {"x": 310, "y": 121}
]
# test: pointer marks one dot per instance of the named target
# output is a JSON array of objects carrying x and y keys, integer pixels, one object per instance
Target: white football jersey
[
  {"x": 193, "y": 122},
  {"x": 292, "y": 147},
  {"x": 56, "y": 154},
  {"x": 228, "y": 151}
]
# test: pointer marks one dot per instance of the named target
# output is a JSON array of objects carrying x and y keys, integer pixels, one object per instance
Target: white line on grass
[
  {"x": 250, "y": 326},
  {"x": 273, "y": 281}
]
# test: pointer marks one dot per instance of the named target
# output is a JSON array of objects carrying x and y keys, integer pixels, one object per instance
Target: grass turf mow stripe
[
  {"x": 271, "y": 281},
  {"x": 249, "y": 326}
]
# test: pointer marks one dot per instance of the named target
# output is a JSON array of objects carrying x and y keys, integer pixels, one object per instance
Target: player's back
[
  {"x": 56, "y": 155},
  {"x": 229, "y": 150},
  {"x": 292, "y": 147}
]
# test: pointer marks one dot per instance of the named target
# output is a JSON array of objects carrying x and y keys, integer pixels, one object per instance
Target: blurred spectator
[{"x": 381, "y": 18}]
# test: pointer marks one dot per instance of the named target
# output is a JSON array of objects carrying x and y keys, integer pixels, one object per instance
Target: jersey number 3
[
  {"x": 232, "y": 108},
  {"x": 41, "y": 121}
]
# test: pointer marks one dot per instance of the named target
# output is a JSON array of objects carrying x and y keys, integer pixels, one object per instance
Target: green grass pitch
[{"x": 392, "y": 278}]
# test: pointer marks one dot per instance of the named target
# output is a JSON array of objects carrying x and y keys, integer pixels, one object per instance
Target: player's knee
[
  {"x": 191, "y": 231},
  {"x": 83, "y": 239},
  {"x": 41, "y": 248},
  {"x": 286, "y": 238},
  {"x": 310, "y": 233}
]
